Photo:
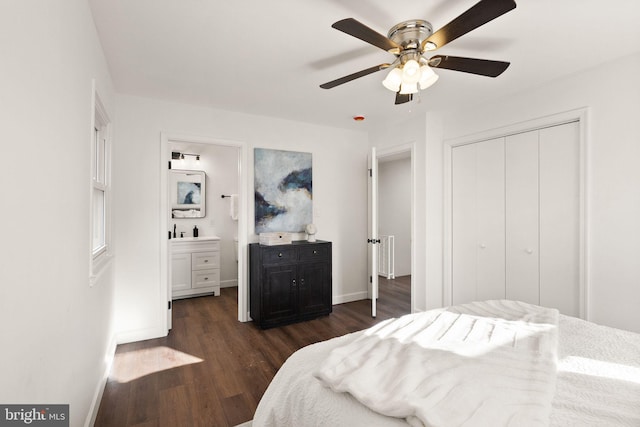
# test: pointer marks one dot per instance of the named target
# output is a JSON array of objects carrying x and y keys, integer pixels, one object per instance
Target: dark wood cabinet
[{"x": 289, "y": 283}]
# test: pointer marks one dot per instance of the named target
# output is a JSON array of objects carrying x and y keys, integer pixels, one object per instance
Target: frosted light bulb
[
  {"x": 393, "y": 80},
  {"x": 411, "y": 72},
  {"x": 408, "y": 88},
  {"x": 427, "y": 77}
]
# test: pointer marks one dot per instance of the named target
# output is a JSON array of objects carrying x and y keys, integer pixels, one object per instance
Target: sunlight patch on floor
[{"x": 135, "y": 364}]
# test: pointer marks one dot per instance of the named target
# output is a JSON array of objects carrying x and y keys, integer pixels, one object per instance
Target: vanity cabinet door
[{"x": 180, "y": 272}]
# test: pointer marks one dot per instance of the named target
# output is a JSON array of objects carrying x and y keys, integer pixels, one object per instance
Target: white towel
[{"x": 233, "y": 208}]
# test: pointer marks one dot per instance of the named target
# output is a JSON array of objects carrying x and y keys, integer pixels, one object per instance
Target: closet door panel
[
  {"x": 490, "y": 217},
  {"x": 463, "y": 248},
  {"x": 560, "y": 218},
  {"x": 521, "y": 198}
]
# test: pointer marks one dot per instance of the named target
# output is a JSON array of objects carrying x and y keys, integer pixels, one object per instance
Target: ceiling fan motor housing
[{"x": 410, "y": 34}]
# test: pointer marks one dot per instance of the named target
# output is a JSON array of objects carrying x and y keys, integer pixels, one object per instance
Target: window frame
[{"x": 100, "y": 180}]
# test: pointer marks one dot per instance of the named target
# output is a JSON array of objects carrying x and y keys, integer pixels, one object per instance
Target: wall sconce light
[{"x": 176, "y": 155}]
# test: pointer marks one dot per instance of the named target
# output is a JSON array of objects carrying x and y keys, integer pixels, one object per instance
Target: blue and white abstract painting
[{"x": 283, "y": 190}]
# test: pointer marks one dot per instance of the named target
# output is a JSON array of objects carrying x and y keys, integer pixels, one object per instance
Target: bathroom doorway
[{"x": 222, "y": 202}]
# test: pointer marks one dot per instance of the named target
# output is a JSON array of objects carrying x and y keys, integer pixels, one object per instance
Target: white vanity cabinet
[{"x": 195, "y": 267}]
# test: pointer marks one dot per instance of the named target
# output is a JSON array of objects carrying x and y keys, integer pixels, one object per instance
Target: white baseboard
[
  {"x": 356, "y": 296},
  {"x": 140, "y": 335},
  {"x": 229, "y": 283},
  {"x": 97, "y": 395}
]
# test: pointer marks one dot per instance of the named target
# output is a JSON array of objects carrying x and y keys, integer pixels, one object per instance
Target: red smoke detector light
[{"x": 358, "y": 118}]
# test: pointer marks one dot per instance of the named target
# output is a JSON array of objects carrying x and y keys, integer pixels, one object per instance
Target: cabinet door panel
[
  {"x": 560, "y": 218},
  {"x": 314, "y": 288},
  {"x": 521, "y": 198},
  {"x": 279, "y": 294},
  {"x": 180, "y": 272}
]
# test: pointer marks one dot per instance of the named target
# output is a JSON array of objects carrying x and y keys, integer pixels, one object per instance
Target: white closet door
[
  {"x": 521, "y": 198},
  {"x": 490, "y": 217},
  {"x": 560, "y": 218},
  {"x": 478, "y": 221},
  {"x": 463, "y": 185}
]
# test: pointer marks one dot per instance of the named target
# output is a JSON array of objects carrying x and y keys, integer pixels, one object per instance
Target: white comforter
[
  {"x": 488, "y": 363},
  {"x": 597, "y": 384}
]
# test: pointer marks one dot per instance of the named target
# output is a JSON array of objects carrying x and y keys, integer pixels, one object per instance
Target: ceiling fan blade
[
  {"x": 353, "y": 76},
  {"x": 483, "y": 67},
  {"x": 479, "y": 14},
  {"x": 402, "y": 98},
  {"x": 359, "y": 30}
]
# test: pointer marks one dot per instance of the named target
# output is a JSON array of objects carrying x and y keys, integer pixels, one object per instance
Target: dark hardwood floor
[{"x": 212, "y": 370}]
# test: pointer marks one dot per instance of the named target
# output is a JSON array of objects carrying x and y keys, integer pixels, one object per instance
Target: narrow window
[{"x": 100, "y": 186}]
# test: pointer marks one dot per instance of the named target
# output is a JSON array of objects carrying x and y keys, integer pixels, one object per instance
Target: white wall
[
  {"x": 394, "y": 209},
  {"x": 425, "y": 133},
  {"x": 612, "y": 94},
  {"x": 56, "y": 330},
  {"x": 221, "y": 166},
  {"x": 339, "y": 196}
]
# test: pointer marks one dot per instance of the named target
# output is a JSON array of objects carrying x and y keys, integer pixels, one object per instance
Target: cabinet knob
[
  {"x": 294, "y": 282},
  {"x": 315, "y": 252},
  {"x": 301, "y": 282},
  {"x": 206, "y": 278},
  {"x": 280, "y": 255},
  {"x": 483, "y": 246},
  {"x": 529, "y": 251},
  {"x": 206, "y": 260}
]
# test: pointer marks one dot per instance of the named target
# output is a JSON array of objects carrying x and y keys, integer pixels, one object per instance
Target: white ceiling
[{"x": 269, "y": 57}]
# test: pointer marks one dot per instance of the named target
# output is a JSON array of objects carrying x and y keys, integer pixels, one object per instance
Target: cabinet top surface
[
  {"x": 293, "y": 243},
  {"x": 194, "y": 239}
]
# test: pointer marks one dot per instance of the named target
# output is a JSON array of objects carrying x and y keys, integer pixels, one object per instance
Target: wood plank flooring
[{"x": 212, "y": 370}]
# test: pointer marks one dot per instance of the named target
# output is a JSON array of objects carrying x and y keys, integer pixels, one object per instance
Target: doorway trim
[
  {"x": 390, "y": 152},
  {"x": 165, "y": 139}
]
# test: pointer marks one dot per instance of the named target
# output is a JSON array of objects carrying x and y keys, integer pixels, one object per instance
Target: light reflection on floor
[{"x": 134, "y": 364}]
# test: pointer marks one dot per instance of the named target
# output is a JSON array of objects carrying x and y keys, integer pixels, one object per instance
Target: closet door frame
[{"x": 580, "y": 116}]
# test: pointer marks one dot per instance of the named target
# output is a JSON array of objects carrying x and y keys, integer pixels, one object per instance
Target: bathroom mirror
[{"x": 187, "y": 193}]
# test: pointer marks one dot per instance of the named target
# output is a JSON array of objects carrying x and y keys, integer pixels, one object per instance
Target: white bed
[{"x": 596, "y": 383}]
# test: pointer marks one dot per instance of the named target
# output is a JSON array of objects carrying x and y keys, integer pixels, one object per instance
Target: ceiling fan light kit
[{"x": 410, "y": 40}]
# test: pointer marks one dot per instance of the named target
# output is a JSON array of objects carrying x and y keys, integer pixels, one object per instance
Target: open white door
[
  {"x": 168, "y": 256},
  {"x": 373, "y": 230}
]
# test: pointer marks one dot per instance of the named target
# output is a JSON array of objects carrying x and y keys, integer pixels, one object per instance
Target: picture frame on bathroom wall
[{"x": 187, "y": 193}]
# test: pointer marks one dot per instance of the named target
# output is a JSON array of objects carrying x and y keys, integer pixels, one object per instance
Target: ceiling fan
[{"x": 410, "y": 40}]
